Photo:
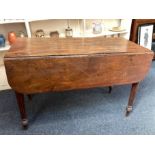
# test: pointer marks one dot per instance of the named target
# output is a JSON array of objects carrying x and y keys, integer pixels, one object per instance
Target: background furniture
[
  {"x": 134, "y": 29},
  {"x": 81, "y": 27}
]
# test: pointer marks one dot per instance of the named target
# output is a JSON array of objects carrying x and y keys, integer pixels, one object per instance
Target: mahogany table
[{"x": 38, "y": 65}]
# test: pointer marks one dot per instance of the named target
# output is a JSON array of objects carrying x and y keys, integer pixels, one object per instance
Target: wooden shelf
[
  {"x": 81, "y": 27},
  {"x": 7, "y": 47},
  {"x": 11, "y": 21},
  {"x": 105, "y": 33},
  {"x": 89, "y": 35}
]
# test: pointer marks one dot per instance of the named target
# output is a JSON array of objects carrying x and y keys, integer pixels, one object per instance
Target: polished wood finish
[
  {"x": 134, "y": 28},
  {"x": 67, "y": 64},
  {"x": 67, "y": 73},
  {"x": 38, "y": 47},
  {"x": 45, "y": 64},
  {"x": 20, "y": 101}
]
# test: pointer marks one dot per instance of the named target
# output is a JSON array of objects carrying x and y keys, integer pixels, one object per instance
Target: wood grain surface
[
  {"x": 24, "y": 47},
  {"x": 39, "y": 65}
]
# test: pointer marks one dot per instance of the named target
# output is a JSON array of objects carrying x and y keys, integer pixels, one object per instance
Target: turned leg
[
  {"x": 20, "y": 102},
  {"x": 110, "y": 89},
  {"x": 131, "y": 98}
]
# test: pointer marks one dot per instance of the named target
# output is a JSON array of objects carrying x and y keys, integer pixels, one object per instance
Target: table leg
[
  {"x": 29, "y": 97},
  {"x": 20, "y": 102},
  {"x": 110, "y": 89},
  {"x": 133, "y": 92}
]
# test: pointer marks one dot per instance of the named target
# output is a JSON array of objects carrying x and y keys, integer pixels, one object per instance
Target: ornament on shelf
[
  {"x": 39, "y": 33},
  {"x": 97, "y": 28},
  {"x": 21, "y": 34},
  {"x": 54, "y": 34},
  {"x": 11, "y": 37},
  {"x": 69, "y": 31},
  {"x": 2, "y": 40},
  {"x": 117, "y": 29}
]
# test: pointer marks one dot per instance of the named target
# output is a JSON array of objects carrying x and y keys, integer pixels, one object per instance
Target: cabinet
[
  {"x": 13, "y": 25},
  {"x": 81, "y": 27}
]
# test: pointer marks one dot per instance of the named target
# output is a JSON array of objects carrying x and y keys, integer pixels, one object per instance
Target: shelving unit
[
  {"x": 10, "y": 21},
  {"x": 16, "y": 25},
  {"x": 81, "y": 27}
]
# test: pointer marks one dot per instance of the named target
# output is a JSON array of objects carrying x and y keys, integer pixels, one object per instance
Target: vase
[
  {"x": 11, "y": 37},
  {"x": 97, "y": 28},
  {"x": 40, "y": 33},
  {"x": 21, "y": 34},
  {"x": 54, "y": 34},
  {"x": 69, "y": 32},
  {"x": 2, "y": 40}
]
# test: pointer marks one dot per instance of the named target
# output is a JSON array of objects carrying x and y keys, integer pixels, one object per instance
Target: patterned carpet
[{"x": 90, "y": 111}]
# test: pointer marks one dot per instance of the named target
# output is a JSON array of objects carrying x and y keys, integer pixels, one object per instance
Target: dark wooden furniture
[
  {"x": 134, "y": 28},
  {"x": 44, "y": 64}
]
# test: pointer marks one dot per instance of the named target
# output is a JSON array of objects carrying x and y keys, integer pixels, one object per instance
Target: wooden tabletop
[{"x": 31, "y": 47}]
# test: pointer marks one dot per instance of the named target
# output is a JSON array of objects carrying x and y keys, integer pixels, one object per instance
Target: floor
[{"x": 84, "y": 112}]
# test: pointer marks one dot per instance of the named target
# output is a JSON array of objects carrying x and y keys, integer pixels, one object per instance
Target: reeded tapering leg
[
  {"x": 133, "y": 92},
  {"x": 20, "y": 102},
  {"x": 110, "y": 89}
]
